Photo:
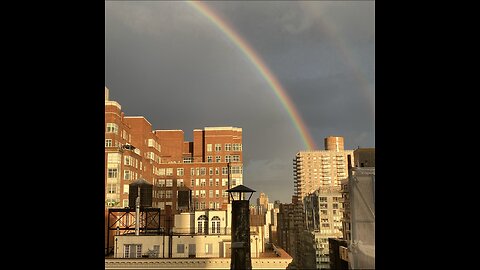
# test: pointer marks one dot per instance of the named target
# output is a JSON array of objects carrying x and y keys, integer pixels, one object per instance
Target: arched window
[
  {"x": 202, "y": 226},
  {"x": 215, "y": 224}
]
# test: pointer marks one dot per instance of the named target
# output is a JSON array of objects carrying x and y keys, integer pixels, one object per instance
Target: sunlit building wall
[
  {"x": 209, "y": 165},
  {"x": 320, "y": 168}
]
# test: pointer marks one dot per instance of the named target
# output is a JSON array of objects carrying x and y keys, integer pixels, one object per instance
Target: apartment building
[
  {"x": 323, "y": 220},
  {"x": 208, "y": 165},
  {"x": 320, "y": 168}
]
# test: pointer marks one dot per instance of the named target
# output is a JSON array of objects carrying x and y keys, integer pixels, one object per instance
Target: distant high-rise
[
  {"x": 262, "y": 203},
  {"x": 322, "y": 168}
]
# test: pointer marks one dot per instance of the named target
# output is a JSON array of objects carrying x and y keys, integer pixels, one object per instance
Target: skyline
[{"x": 168, "y": 62}]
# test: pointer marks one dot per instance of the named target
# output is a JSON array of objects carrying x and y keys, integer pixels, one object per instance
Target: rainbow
[{"x": 262, "y": 68}]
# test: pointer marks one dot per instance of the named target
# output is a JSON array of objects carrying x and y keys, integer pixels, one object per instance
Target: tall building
[
  {"x": 262, "y": 202},
  {"x": 364, "y": 158},
  {"x": 323, "y": 220},
  {"x": 358, "y": 222},
  {"x": 208, "y": 166},
  {"x": 318, "y": 172},
  {"x": 320, "y": 168}
]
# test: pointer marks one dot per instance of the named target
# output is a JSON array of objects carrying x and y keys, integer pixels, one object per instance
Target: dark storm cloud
[{"x": 167, "y": 62}]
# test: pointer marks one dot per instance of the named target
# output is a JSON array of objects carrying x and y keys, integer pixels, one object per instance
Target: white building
[{"x": 199, "y": 240}]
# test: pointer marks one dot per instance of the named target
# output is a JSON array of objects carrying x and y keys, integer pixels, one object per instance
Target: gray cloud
[{"x": 166, "y": 61}]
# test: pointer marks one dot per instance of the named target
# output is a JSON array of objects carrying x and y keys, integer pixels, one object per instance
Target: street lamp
[{"x": 241, "y": 257}]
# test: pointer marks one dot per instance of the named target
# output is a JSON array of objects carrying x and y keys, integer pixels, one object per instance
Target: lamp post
[{"x": 241, "y": 257}]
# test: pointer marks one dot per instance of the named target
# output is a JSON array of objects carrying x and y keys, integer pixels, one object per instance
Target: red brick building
[{"x": 208, "y": 166}]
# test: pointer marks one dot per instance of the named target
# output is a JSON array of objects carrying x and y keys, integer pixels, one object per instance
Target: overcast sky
[{"x": 166, "y": 61}]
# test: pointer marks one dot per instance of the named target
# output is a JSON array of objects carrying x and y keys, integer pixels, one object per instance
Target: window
[
  {"x": 209, "y": 159},
  {"x": 217, "y": 193},
  {"x": 217, "y": 181},
  {"x": 161, "y": 182},
  {"x": 126, "y": 189},
  {"x": 203, "y": 182},
  {"x": 180, "y": 248},
  {"x": 112, "y": 128},
  {"x": 210, "y": 182},
  {"x": 209, "y": 147},
  {"x": 203, "y": 171},
  {"x": 127, "y": 175},
  {"x": 218, "y": 159},
  {"x": 210, "y": 205},
  {"x": 108, "y": 142},
  {"x": 139, "y": 251},
  {"x": 168, "y": 194},
  {"x": 208, "y": 248},
  {"x": 228, "y": 158},
  {"x": 217, "y": 171},
  {"x": 236, "y": 169},
  {"x": 127, "y": 160},
  {"x": 180, "y": 183},
  {"x": 111, "y": 188},
  {"x": 210, "y": 194},
  {"x": 215, "y": 224},
  {"x": 192, "y": 171},
  {"x": 187, "y": 160},
  {"x": 169, "y": 172},
  {"x": 202, "y": 224},
  {"x": 224, "y": 182},
  {"x": 210, "y": 171},
  {"x": 180, "y": 171},
  {"x": 203, "y": 193},
  {"x": 151, "y": 143},
  {"x": 228, "y": 147},
  {"x": 236, "y": 158},
  {"x": 132, "y": 251},
  {"x": 218, "y": 147},
  {"x": 169, "y": 183},
  {"x": 237, "y": 147},
  {"x": 161, "y": 171},
  {"x": 224, "y": 170},
  {"x": 126, "y": 250},
  {"x": 112, "y": 173}
]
